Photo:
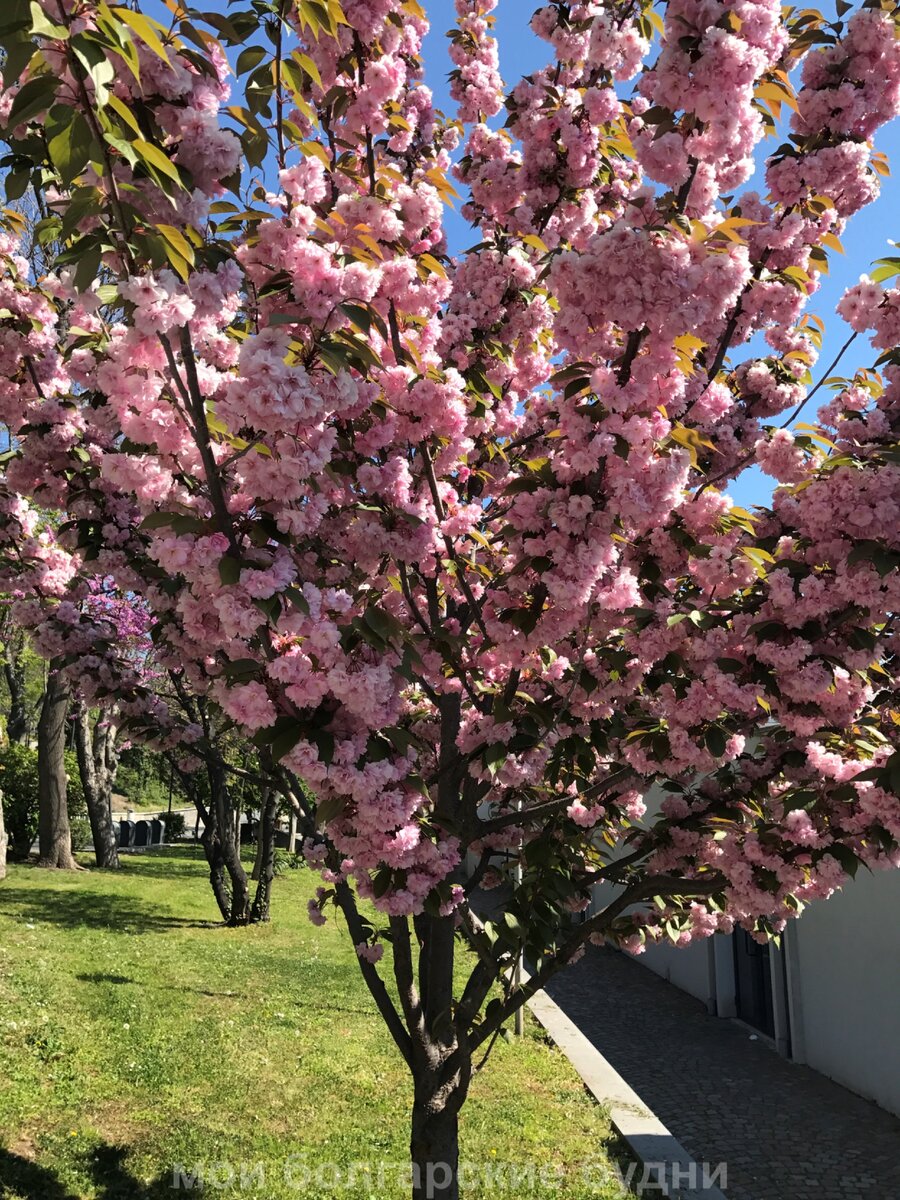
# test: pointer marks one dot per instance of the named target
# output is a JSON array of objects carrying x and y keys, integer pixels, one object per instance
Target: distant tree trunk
[
  {"x": 98, "y": 761},
  {"x": 257, "y": 861},
  {"x": 229, "y": 840},
  {"x": 4, "y": 841},
  {"x": 266, "y": 857},
  {"x": 227, "y": 876},
  {"x": 14, "y": 674},
  {"x": 54, "y": 835},
  {"x": 212, "y": 848}
]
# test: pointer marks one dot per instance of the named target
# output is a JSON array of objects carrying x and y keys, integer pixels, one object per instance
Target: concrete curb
[{"x": 668, "y": 1168}]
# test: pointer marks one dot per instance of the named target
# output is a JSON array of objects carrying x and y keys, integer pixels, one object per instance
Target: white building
[{"x": 828, "y": 997}]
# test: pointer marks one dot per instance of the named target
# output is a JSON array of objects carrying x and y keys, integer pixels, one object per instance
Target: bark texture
[
  {"x": 229, "y": 848},
  {"x": 220, "y": 839},
  {"x": 14, "y": 674},
  {"x": 54, "y": 835},
  {"x": 265, "y": 865},
  {"x": 4, "y": 841},
  {"x": 434, "y": 1149},
  {"x": 98, "y": 761}
]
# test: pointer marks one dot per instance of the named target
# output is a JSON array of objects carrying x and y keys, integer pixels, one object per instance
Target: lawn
[{"x": 137, "y": 1036}]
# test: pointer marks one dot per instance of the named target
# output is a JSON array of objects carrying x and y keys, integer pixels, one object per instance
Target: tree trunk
[
  {"x": 14, "y": 673},
  {"x": 4, "y": 841},
  {"x": 212, "y": 848},
  {"x": 439, "y": 1088},
  {"x": 54, "y": 835},
  {"x": 260, "y": 840},
  {"x": 434, "y": 1147},
  {"x": 268, "y": 816},
  {"x": 229, "y": 841},
  {"x": 209, "y": 840},
  {"x": 97, "y": 762}
]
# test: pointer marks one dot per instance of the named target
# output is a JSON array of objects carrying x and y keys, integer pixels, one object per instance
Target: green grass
[{"x": 136, "y": 1034}]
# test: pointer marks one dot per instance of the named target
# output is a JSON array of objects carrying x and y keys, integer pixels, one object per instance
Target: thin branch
[
  {"x": 748, "y": 455},
  {"x": 825, "y": 377},
  {"x": 374, "y": 982},
  {"x": 600, "y": 923},
  {"x": 551, "y": 807}
]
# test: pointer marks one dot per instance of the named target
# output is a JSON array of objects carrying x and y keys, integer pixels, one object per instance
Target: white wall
[
  {"x": 689, "y": 968},
  {"x": 844, "y": 985},
  {"x": 842, "y": 963}
]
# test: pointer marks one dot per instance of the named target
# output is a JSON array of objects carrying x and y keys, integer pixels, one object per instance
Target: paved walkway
[{"x": 785, "y": 1131}]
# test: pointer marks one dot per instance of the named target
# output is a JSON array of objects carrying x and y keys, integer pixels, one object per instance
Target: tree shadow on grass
[
  {"x": 102, "y": 977},
  {"x": 83, "y": 908},
  {"x": 165, "y": 862},
  {"x": 112, "y": 1180}
]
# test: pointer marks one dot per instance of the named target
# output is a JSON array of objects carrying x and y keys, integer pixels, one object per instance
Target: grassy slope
[{"x": 134, "y": 1035}]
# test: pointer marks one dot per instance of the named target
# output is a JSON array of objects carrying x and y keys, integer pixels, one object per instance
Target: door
[{"x": 753, "y": 977}]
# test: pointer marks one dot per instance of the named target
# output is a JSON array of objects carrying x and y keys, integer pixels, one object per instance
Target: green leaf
[
  {"x": 731, "y": 666},
  {"x": 43, "y": 26},
  {"x": 125, "y": 113},
  {"x": 17, "y": 184},
  {"x": 108, "y": 293},
  {"x": 250, "y": 58},
  {"x": 87, "y": 266},
  {"x": 325, "y": 745},
  {"x": 888, "y": 268},
  {"x": 14, "y": 18},
  {"x": 94, "y": 57},
  {"x": 494, "y": 757},
  {"x": 692, "y": 441},
  {"x": 846, "y": 857},
  {"x": 33, "y": 97},
  {"x": 308, "y": 66},
  {"x": 146, "y": 30},
  {"x": 151, "y": 156},
  {"x": 70, "y": 149},
  {"x": 716, "y": 741},
  {"x": 241, "y": 668},
  {"x": 766, "y": 631},
  {"x": 511, "y": 922},
  {"x": 286, "y": 739},
  {"x": 329, "y": 809},
  {"x": 382, "y": 624},
  {"x": 158, "y": 520},
  {"x": 229, "y": 570},
  {"x": 179, "y": 243},
  {"x": 359, "y": 315}
]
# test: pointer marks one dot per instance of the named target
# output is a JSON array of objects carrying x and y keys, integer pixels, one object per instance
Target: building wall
[
  {"x": 689, "y": 968},
  {"x": 843, "y": 966}
]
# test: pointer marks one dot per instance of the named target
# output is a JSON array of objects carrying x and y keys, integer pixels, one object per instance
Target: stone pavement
[{"x": 785, "y": 1131}]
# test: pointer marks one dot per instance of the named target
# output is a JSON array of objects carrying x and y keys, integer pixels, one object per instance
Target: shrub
[
  {"x": 174, "y": 823},
  {"x": 19, "y": 781},
  {"x": 74, "y": 788},
  {"x": 287, "y": 860},
  {"x": 82, "y": 838}
]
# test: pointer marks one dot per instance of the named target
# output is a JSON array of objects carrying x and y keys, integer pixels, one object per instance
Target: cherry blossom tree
[
  {"x": 127, "y": 623},
  {"x": 449, "y": 537}
]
